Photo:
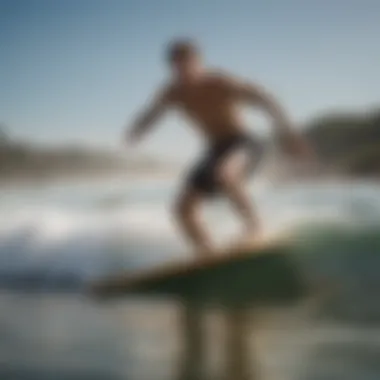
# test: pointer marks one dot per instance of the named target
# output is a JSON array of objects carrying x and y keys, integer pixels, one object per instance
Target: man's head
[{"x": 184, "y": 58}]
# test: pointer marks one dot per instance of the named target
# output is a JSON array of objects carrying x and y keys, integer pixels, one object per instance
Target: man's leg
[
  {"x": 187, "y": 211},
  {"x": 231, "y": 176}
]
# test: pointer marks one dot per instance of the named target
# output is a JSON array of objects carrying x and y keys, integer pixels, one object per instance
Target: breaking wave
[{"x": 56, "y": 242}]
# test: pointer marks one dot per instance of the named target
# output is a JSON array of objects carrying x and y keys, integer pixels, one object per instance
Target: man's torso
[{"x": 209, "y": 105}]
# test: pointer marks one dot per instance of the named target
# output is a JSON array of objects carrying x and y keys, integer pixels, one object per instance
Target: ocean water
[{"x": 53, "y": 239}]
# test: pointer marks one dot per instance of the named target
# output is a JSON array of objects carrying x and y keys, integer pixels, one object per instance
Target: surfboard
[{"x": 255, "y": 271}]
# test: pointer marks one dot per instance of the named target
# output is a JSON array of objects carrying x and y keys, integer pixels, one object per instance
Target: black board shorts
[{"x": 203, "y": 177}]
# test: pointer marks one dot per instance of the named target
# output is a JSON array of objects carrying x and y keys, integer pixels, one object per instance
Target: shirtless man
[{"x": 210, "y": 99}]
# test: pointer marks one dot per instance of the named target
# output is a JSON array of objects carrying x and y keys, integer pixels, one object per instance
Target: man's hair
[{"x": 181, "y": 48}]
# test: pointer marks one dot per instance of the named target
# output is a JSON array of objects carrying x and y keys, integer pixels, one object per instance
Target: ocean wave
[
  {"x": 344, "y": 259},
  {"x": 55, "y": 246},
  {"x": 63, "y": 256},
  {"x": 47, "y": 247}
]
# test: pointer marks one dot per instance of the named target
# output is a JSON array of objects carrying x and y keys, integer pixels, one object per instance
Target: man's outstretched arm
[
  {"x": 259, "y": 97},
  {"x": 148, "y": 117}
]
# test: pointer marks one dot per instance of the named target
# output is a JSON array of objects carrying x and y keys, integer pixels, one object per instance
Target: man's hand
[
  {"x": 296, "y": 145},
  {"x": 131, "y": 138},
  {"x": 147, "y": 118}
]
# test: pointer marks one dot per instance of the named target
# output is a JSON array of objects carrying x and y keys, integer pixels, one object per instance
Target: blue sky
[{"x": 77, "y": 70}]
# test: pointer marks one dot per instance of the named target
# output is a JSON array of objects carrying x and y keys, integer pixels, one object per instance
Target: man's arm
[
  {"x": 259, "y": 97},
  {"x": 149, "y": 116}
]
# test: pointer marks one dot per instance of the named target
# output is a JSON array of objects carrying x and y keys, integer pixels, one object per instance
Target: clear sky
[{"x": 76, "y": 70}]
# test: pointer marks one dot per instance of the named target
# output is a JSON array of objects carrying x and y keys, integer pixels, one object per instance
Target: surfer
[{"x": 209, "y": 99}]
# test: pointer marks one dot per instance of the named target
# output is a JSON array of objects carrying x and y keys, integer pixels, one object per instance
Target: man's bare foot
[
  {"x": 252, "y": 232},
  {"x": 205, "y": 251},
  {"x": 250, "y": 235}
]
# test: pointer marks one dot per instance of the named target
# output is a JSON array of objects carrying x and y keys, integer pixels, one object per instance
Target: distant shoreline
[
  {"x": 346, "y": 145},
  {"x": 145, "y": 174}
]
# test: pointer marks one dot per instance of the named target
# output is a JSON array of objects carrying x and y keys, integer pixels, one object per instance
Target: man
[{"x": 210, "y": 99}]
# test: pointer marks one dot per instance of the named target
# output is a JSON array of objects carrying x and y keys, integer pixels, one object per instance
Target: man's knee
[
  {"x": 224, "y": 177},
  {"x": 231, "y": 170}
]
